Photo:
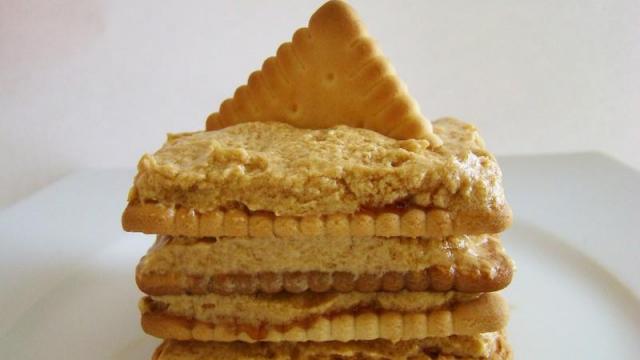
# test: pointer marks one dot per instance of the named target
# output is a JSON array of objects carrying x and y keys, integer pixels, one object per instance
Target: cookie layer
[
  {"x": 283, "y": 308},
  {"x": 487, "y": 313},
  {"x": 178, "y": 265},
  {"x": 489, "y": 346},
  {"x": 298, "y": 172},
  {"x": 155, "y": 218},
  {"x": 331, "y": 73}
]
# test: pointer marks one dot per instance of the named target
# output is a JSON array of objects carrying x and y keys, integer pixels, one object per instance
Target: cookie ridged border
[
  {"x": 156, "y": 218},
  {"x": 488, "y": 313}
]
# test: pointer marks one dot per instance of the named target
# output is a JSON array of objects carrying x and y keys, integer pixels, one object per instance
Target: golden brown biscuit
[
  {"x": 331, "y": 73},
  {"x": 273, "y": 168},
  {"x": 282, "y": 308},
  {"x": 178, "y": 265},
  {"x": 490, "y": 346},
  {"x": 486, "y": 313},
  {"x": 154, "y": 218}
]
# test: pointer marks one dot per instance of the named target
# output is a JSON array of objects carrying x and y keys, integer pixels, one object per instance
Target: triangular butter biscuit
[{"x": 331, "y": 73}]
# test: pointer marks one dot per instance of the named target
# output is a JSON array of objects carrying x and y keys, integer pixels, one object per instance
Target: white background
[{"x": 86, "y": 83}]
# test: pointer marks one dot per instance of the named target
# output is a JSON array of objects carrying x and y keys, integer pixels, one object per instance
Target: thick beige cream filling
[
  {"x": 284, "y": 308},
  {"x": 289, "y": 171},
  {"x": 356, "y": 255}
]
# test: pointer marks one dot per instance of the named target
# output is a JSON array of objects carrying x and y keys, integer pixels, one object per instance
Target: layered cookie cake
[{"x": 320, "y": 216}]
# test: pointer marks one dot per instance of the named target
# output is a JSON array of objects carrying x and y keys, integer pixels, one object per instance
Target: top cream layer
[{"x": 289, "y": 171}]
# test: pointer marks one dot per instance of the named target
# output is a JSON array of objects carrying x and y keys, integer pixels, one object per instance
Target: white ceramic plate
[{"x": 67, "y": 289}]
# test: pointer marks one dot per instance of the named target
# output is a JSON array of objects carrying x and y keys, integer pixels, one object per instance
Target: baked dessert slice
[
  {"x": 245, "y": 265},
  {"x": 322, "y": 317},
  {"x": 271, "y": 179},
  {"x": 331, "y": 73},
  {"x": 487, "y": 346}
]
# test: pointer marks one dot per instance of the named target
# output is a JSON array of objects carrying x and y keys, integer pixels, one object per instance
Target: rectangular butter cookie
[
  {"x": 326, "y": 317},
  {"x": 180, "y": 265},
  {"x": 488, "y": 346},
  {"x": 389, "y": 221}
]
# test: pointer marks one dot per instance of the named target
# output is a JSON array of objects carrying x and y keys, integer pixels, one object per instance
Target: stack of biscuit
[{"x": 320, "y": 216}]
